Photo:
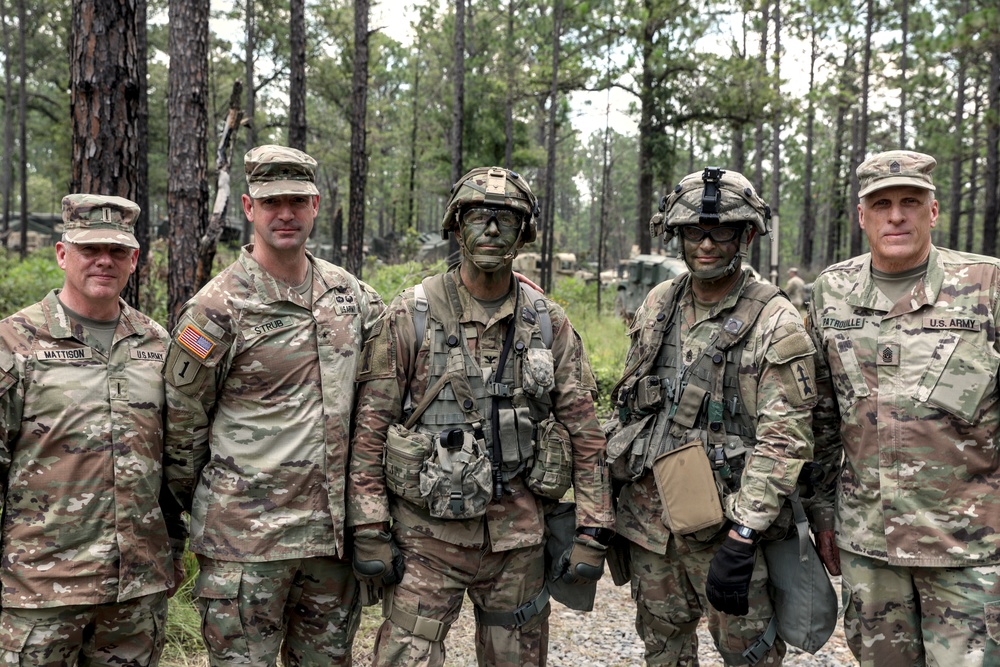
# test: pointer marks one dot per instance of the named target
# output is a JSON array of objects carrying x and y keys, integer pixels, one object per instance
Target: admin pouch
[
  {"x": 804, "y": 601},
  {"x": 552, "y": 473},
  {"x": 456, "y": 483},
  {"x": 686, "y": 483}
]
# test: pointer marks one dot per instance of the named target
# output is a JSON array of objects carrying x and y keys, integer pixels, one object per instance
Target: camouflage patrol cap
[
  {"x": 99, "y": 219},
  {"x": 279, "y": 170},
  {"x": 895, "y": 168}
]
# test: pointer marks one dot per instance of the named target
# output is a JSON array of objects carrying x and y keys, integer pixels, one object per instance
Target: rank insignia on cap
[
  {"x": 894, "y": 167},
  {"x": 194, "y": 340}
]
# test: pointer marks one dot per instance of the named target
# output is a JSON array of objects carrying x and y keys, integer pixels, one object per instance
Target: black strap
[{"x": 498, "y": 375}]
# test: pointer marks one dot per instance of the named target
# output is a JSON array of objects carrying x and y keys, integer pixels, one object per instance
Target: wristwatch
[
  {"x": 747, "y": 533},
  {"x": 603, "y": 536}
]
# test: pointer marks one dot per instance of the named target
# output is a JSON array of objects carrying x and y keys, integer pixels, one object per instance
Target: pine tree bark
[
  {"x": 249, "y": 58},
  {"x": 861, "y": 143},
  {"x": 958, "y": 157},
  {"x": 7, "y": 177},
  {"x": 297, "y": 78},
  {"x": 549, "y": 205},
  {"x": 644, "y": 207},
  {"x": 990, "y": 207},
  {"x": 22, "y": 103},
  {"x": 187, "y": 143},
  {"x": 457, "y": 107},
  {"x": 359, "y": 155},
  {"x": 807, "y": 231}
]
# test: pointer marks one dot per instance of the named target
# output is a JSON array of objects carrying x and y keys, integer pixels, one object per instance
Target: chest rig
[
  {"x": 677, "y": 402},
  {"x": 501, "y": 410}
]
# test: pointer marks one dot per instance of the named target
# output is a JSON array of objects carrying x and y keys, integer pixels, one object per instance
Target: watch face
[{"x": 745, "y": 532}]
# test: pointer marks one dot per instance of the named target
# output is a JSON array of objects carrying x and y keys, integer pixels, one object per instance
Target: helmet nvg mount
[
  {"x": 714, "y": 196},
  {"x": 492, "y": 186}
]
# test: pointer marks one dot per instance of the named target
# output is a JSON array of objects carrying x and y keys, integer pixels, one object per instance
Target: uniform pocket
[
  {"x": 217, "y": 594},
  {"x": 970, "y": 372},
  {"x": 992, "y": 614},
  {"x": 14, "y": 633}
]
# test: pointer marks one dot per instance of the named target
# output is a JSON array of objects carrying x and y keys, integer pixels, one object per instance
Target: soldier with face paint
[
  {"x": 475, "y": 412},
  {"x": 715, "y": 407}
]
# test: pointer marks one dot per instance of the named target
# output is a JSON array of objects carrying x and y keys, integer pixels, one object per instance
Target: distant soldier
[
  {"x": 909, "y": 332},
  {"x": 795, "y": 289},
  {"x": 86, "y": 561},
  {"x": 715, "y": 405},
  {"x": 260, "y": 381},
  {"x": 475, "y": 412}
]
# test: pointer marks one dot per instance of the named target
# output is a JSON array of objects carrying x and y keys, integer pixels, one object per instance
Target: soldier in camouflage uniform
[
  {"x": 86, "y": 559},
  {"x": 909, "y": 334},
  {"x": 260, "y": 387},
  {"x": 715, "y": 409},
  {"x": 486, "y": 407}
]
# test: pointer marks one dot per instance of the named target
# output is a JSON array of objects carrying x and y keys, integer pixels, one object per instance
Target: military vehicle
[{"x": 638, "y": 275}]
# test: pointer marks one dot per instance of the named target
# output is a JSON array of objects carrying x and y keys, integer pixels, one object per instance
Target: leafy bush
[{"x": 24, "y": 283}]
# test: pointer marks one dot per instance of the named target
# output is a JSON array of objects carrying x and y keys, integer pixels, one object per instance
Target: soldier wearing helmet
[
  {"x": 476, "y": 414},
  {"x": 714, "y": 410}
]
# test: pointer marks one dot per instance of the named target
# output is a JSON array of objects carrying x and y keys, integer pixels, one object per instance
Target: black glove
[
  {"x": 728, "y": 584},
  {"x": 377, "y": 558},
  {"x": 583, "y": 562}
]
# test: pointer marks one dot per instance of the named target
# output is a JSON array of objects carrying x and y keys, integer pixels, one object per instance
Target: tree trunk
[
  {"x": 549, "y": 205},
  {"x": 187, "y": 143},
  {"x": 958, "y": 158},
  {"x": 22, "y": 103},
  {"x": 297, "y": 77},
  {"x": 251, "y": 88},
  {"x": 970, "y": 216},
  {"x": 904, "y": 24},
  {"x": 411, "y": 190},
  {"x": 7, "y": 177},
  {"x": 861, "y": 126},
  {"x": 776, "y": 146},
  {"x": 758, "y": 135},
  {"x": 457, "y": 106},
  {"x": 359, "y": 155},
  {"x": 508, "y": 102},
  {"x": 807, "y": 231},
  {"x": 105, "y": 101},
  {"x": 132, "y": 292},
  {"x": 990, "y": 209},
  {"x": 646, "y": 107}
]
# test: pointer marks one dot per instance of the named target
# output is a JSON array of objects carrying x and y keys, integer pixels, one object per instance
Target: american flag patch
[{"x": 195, "y": 341}]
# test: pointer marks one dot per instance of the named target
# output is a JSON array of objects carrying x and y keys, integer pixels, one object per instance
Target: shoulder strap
[
  {"x": 535, "y": 298},
  {"x": 742, "y": 318}
]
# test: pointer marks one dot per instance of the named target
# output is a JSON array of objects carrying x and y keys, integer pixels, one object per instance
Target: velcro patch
[
  {"x": 196, "y": 342},
  {"x": 70, "y": 354},
  {"x": 966, "y": 323},
  {"x": 789, "y": 341},
  {"x": 147, "y": 355}
]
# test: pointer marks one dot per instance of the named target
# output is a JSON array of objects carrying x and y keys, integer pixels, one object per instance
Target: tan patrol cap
[
  {"x": 99, "y": 219},
  {"x": 279, "y": 170},
  {"x": 894, "y": 168}
]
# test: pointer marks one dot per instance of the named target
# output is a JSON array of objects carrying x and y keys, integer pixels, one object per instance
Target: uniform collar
[
  {"x": 60, "y": 326},
  {"x": 472, "y": 310},
  {"x": 272, "y": 290},
  {"x": 866, "y": 294}
]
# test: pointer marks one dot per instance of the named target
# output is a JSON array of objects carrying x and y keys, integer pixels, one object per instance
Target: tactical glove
[
  {"x": 377, "y": 558},
  {"x": 583, "y": 562},
  {"x": 728, "y": 584}
]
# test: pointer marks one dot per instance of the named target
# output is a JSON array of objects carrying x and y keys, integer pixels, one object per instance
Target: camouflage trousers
[
  {"x": 936, "y": 616},
  {"x": 308, "y": 610},
  {"x": 429, "y": 598},
  {"x": 123, "y": 634},
  {"x": 669, "y": 590}
]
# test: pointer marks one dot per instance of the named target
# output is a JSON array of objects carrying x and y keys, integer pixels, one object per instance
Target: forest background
[{"x": 128, "y": 97}]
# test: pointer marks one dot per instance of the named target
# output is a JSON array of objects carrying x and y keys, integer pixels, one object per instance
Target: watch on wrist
[
  {"x": 747, "y": 533},
  {"x": 602, "y": 535}
]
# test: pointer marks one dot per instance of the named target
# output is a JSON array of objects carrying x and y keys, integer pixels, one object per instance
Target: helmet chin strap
[{"x": 718, "y": 273}]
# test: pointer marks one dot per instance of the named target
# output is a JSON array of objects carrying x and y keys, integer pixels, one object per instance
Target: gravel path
[{"x": 605, "y": 637}]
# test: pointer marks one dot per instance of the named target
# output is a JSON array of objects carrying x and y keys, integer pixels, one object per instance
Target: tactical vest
[
  {"x": 521, "y": 403},
  {"x": 679, "y": 403}
]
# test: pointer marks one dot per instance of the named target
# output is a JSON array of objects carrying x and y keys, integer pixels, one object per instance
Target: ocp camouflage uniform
[
  {"x": 919, "y": 491},
  {"x": 260, "y": 384},
  {"x": 81, "y": 440},
  {"x": 497, "y": 557},
  {"x": 776, "y": 392}
]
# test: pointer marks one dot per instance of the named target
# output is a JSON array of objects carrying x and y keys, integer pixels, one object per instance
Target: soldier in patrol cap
[
  {"x": 908, "y": 334},
  {"x": 476, "y": 412},
  {"x": 260, "y": 386},
  {"x": 715, "y": 410},
  {"x": 87, "y": 563}
]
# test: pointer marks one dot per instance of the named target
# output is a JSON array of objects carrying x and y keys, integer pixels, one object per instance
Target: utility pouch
[
  {"x": 406, "y": 452},
  {"x": 538, "y": 372},
  {"x": 648, "y": 394},
  {"x": 552, "y": 474},
  {"x": 627, "y": 451},
  {"x": 516, "y": 430},
  {"x": 457, "y": 484},
  {"x": 687, "y": 489}
]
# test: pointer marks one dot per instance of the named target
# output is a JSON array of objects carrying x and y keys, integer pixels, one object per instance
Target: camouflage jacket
[
  {"x": 81, "y": 448},
  {"x": 260, "y": 389},
  {"x": 779, "y": 404},
  {"x": 916, "y": 385},
  {"x": 391, "y": 369}
]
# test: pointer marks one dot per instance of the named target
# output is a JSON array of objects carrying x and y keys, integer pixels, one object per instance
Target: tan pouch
[
  {"x": 406, "y": 453},
  {"x": 687, "y": 489}
]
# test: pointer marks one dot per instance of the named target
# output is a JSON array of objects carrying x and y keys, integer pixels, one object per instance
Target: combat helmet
[
  {"x": 492, "y": 186},
  {"x": 713, "y": 196}
]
